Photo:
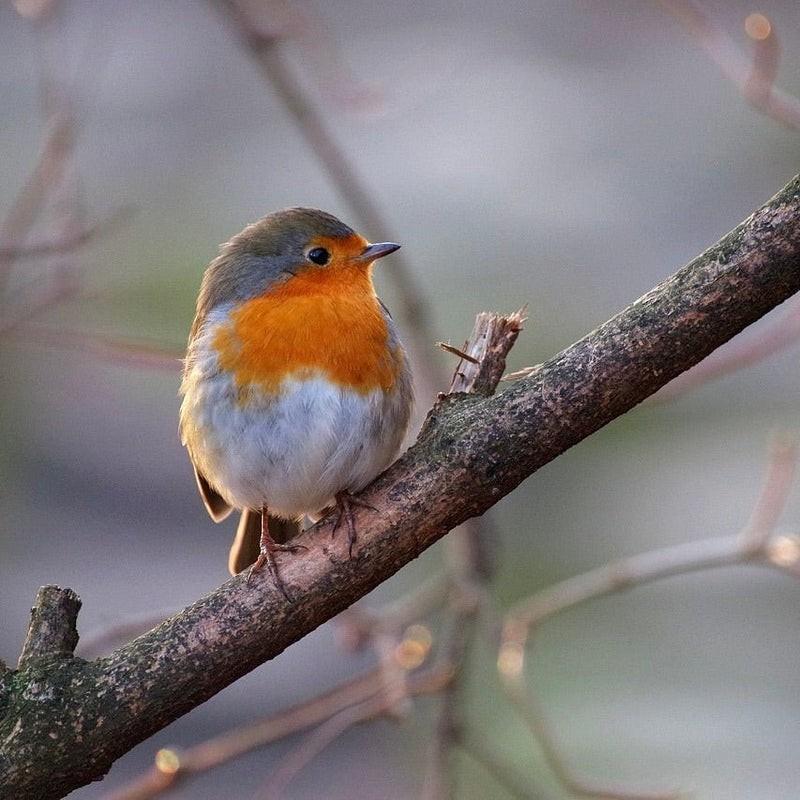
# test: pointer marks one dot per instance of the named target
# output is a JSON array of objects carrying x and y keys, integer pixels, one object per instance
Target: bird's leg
[
  {"x": 266, "y": 554},
  {"x": 344, "y": 505}
]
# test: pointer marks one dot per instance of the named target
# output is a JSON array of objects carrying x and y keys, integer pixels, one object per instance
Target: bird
[{"x": 296, "y": 389}]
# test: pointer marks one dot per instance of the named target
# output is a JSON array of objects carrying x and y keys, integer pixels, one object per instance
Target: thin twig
[
  {"x": 456, "y": 352},
  {"x": 68, "y": 243},
  {"x": 174, "y": 766},
  {"x": 53, "y": 161},
  {"x": 439, "y": 778},
  {"x": 114, "y": 349},
  {"x": 753, "y": 76},
  {"x": 290, "y": 766},
  {"x": 774, "y": 493},
  {"x": 525, "y": 372},
  {"x": 753, "y": 545},
  {"x": 358, "y": 625},
  {"x": 56, "y": 149},
  {"x": 17, "y": 315}
]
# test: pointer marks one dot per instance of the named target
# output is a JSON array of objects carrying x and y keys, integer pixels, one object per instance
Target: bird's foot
[
  {"x": 266, "y": 555},
  {"x": 344, "y": 505}
]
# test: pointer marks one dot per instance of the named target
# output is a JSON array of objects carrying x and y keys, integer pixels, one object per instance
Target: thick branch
[
  {"x": 472, "y": 451},
  {"x": 52, "y": 631}
]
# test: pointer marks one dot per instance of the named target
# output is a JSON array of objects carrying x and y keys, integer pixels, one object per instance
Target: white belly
[{"x": 295, "y": 452}]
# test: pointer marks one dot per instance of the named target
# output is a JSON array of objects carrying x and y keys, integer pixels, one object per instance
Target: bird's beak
[{"x": 379, "y": 250}]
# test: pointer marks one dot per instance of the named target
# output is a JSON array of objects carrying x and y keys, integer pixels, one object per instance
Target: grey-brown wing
[{"x": 216, "y": 506}]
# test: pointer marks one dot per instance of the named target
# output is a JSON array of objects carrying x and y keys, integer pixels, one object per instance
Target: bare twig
[
  {"x": 173, "y": 767},
  {"x": 290, "y": 766},
  {"x": 456, "y": 352},
  {"x": 525, "y": 372},
  {"x": 68, "y": 243},
  {"x": 52, "y": 631},
  {"x": 52, "y": 163},
  {"x": 774, "y": 493},
  {"x": 17, "y": 315},
  {"x": 358, "y": 625},
  {"x": 754, "y": 77},
  {"x": 114, "y": 349},
  {"x": 365, "y": 691},
  {"x": 50, "y": 167},
  {"x": 438, "y": 784},
  {"x": 754, "y": 545}
]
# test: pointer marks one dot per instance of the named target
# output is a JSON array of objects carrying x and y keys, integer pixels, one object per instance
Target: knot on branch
[{"x": 53, "y": 627}]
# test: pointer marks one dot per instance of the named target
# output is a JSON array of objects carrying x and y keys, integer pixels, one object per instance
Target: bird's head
[{"x": 306, "y": 246}]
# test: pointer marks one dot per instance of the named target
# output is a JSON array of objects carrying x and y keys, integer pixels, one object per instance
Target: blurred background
[{"x": 568, "y": 155}]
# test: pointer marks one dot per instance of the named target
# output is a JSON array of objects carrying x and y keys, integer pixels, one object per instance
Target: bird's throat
[{"x": 318, "y": 324}]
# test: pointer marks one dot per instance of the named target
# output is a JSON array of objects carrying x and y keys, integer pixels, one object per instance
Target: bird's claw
[{"x": 344, "y": 505}]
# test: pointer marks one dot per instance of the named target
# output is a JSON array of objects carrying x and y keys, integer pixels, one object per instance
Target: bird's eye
[{"x": 319, "y": 255}]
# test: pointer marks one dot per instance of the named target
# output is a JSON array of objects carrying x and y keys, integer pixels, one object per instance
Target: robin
[{"x": 296, "y": 389}]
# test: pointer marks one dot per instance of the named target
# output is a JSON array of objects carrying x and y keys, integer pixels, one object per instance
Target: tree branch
[{"x": 471, "y": 452}]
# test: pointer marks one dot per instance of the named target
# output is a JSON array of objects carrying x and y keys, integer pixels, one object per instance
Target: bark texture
[{"x": 63, "y": 721}]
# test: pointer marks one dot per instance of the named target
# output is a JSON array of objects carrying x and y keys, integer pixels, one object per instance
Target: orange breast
[{"x": 321, "y": 321}]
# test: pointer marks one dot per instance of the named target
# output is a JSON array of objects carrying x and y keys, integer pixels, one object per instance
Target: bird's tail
[{"x": 245, "y": 547}]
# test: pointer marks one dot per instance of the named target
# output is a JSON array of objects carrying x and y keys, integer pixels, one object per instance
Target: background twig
[{"x": 753, "y": 545}]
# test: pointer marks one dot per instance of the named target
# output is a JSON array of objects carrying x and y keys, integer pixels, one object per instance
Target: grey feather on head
[{"x": 261, "y": 255}]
